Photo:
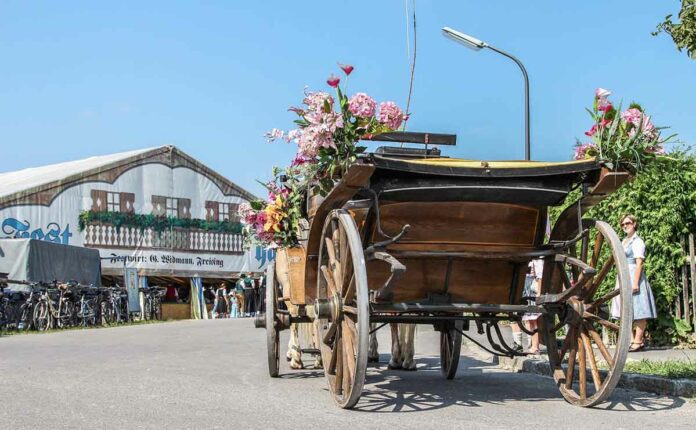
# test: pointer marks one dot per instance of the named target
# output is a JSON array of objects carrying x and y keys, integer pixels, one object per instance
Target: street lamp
[{"x": 476, "y": 45}]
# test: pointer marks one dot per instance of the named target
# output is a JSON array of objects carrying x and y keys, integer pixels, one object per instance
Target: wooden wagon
[{"x": 409, "y": 236}]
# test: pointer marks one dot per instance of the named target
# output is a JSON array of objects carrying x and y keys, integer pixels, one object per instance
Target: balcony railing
[{"x": 99, "y": 235}]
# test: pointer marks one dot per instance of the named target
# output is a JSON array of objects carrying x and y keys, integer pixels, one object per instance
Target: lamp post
[{"x": 476, "y": 45}]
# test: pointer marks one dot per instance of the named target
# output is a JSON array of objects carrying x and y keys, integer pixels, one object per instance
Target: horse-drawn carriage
[{"x": 409, "y": 236}]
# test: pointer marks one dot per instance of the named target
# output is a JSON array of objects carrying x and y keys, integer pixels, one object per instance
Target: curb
[{"x": 629, "y": 381}]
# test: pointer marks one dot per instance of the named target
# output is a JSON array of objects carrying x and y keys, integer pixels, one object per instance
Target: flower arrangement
[
  {"x": 620, "y": 140},
  {"x": 276, "y": 221},
  {"x": 328, "y": 130},
  {"x": 327, "y": 135}
]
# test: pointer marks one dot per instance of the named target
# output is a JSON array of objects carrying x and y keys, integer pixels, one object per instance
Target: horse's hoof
[
  {"x": 296, "y": 366},
  {"x": 409, "y": 367},
  {"x": 391, "y": 366}
]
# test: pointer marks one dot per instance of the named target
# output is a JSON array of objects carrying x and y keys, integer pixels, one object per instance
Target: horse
[{"x": 402, "y": 350}]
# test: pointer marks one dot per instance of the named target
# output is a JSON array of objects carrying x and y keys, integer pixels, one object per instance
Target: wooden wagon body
[{"x": 409, "y": 237}]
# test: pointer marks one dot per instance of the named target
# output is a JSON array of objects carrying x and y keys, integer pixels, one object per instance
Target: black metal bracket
[
  {"x": 386, "y": 292},
  {"x": 378, "y": 225}
]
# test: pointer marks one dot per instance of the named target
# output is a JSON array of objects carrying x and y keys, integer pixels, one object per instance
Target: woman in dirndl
[{"x": 643, "y": 299}]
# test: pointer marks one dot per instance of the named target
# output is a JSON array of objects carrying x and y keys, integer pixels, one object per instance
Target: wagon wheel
[
  {"x": 342, "y": 308},
  {"x": 588, "y": 314},
  {"x": 450, "y": 348},
  {"x": 272, "y": 332}
]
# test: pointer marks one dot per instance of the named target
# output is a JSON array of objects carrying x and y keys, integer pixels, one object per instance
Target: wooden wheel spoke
[
  {"x": 600, "y": 344},
  {"x": 599, "y": 240},
  {"x": 329, "y": 279},
  {"x": 567, "y": 342},
  {"x": 329, "y": 334},
  {"x": 338, "y": 348},
  {"x": 350, "y": 310},
  {"x": 602, "y": 300},
  {"x": 349, "y": 348},
  {"x": 350, "y": 291},
  {"x": 600, "y": 320},
  {"x": 582, "y": 369},
  {"x": 571, "y": 361},
  {"x": 599, "y": 278},
  {"x": 596, "y": 379}
]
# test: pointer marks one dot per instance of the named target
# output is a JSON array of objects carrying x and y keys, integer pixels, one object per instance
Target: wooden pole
[
  {"x": 692, "y": 264},
  {"x": 684, "y": 298}
]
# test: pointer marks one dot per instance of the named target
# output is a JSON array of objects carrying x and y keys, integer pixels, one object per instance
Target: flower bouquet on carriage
[
  {"x": 327, "y": 136},
  {"x": 621, "y": 140}
]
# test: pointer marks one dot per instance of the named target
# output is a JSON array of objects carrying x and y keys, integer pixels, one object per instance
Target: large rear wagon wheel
[
  {"x": 272, "y": 332},
  {"x": 450, "y": 348},
  {"x": 342, "y": 308},
  {"x": 594, "y": 337}
]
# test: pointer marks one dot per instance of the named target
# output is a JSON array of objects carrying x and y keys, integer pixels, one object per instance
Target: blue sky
[{"x": 89, "y": 78}]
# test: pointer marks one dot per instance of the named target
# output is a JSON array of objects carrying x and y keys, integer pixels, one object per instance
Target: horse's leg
[
  {"x": 318, "y": 364},
  {"x": 372, "y": 352},
  {"x": 395, "y": 361},
  {"x": 294, "y": 355},
  {"x": 408, "y": 346}
]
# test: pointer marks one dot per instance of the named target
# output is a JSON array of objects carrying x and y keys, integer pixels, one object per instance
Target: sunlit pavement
[{"x": 212, "y": 374}]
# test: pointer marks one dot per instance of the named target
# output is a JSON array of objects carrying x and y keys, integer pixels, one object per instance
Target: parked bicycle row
[{"x": 43, "y": 306}]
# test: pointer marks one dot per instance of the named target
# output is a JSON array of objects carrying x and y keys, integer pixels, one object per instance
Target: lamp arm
[{"x": 527, "y": 146}]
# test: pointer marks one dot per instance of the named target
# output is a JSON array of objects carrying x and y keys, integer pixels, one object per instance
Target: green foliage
[
  {"x": 683, "y": 32},
  {"x": 156, "y": 223},
  {"x": 663, "y": 198}
]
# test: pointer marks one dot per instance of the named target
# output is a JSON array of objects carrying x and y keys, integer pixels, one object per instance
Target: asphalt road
[{"x": 212, "y": 374}]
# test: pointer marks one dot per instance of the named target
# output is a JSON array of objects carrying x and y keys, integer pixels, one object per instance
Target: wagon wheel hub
[{"x": 330, "y": 308}]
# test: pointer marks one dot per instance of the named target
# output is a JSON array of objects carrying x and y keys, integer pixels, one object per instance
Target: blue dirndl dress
[{"x": 644, "y": 301}]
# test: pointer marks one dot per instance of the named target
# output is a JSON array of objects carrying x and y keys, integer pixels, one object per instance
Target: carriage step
[{"x": 311, "y": 351}]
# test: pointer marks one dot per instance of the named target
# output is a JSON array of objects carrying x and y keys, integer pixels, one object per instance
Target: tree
[{"x": 683, "y": 32}]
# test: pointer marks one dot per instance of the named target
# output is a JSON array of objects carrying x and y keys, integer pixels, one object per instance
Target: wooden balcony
[{"x": 100, "y": 235}]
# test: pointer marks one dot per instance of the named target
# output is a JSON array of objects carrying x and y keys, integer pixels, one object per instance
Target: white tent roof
[{"x": 20, "y": 180}]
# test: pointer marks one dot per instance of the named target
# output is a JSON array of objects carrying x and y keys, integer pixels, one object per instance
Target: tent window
[
  {"x": 223, "y": 212},
  {"x": 172, "y": 207},
  {"x": 113, "y": 202}
]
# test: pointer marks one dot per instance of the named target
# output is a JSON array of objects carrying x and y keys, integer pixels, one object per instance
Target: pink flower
[
  {"x": 299, "y": 160},
  {"x": 317, "y": 101},
  {"x": 604, "y": 105},
  {"x": 591, "y": 132},
  {"x": 362, "y": 105},
  {"x": 601, "y": 93},
  {"x": 390, "y": 115},
  {"x": 584, "y": 151},
  {"x": 298, "y": 111},
  {"x": 293, "y": 135},
  {"x": 274, "y": 134},
  {"x": 632, "y": 116},
  {"x": 333, "y": 80},
  {"x": 347, "y": 69},
  {"x": 605, "y": 122}
]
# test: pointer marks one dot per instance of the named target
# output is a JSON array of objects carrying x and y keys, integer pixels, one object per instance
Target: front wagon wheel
[
  {"x": 598, "y": 320},
  {"x": 342, "y": 308}
]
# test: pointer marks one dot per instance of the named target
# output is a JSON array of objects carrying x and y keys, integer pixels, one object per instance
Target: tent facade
[{"x": 158, "y": 210}]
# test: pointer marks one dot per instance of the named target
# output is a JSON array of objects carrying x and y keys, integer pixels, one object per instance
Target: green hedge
[
  {"x": 156, "y": 223},
  {"x": 663, "y": 197}
]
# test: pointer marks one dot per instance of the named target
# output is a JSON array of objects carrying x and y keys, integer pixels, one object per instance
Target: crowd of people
[{"x": 244, "y": 299}]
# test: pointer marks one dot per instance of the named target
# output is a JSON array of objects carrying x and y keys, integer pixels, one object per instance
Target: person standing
[
  {"x": 240, "y": 293},
  {"x": 532, "y": 286},
  {"x": 249, "y": 293},
  {"x": 234, "y": 303},
  {"x": 643, "y": 299}
]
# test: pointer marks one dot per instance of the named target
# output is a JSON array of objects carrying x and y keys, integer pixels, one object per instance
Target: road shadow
[{"x": 478, "y": 383}]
